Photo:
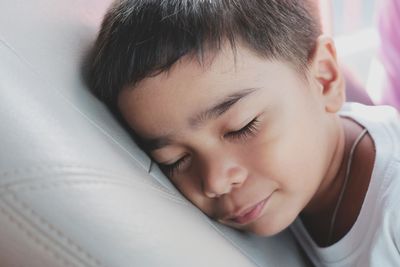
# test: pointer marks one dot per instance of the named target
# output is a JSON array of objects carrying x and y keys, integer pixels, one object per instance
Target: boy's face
[{"x": 247, "y": 141}]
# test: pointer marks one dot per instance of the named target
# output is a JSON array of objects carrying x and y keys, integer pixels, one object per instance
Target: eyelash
[
  {"x": 170, "y": 169},
  {"x": 249, "y": 130}
]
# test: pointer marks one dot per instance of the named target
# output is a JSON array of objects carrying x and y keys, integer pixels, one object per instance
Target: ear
[{"x": 325, "y": 72}]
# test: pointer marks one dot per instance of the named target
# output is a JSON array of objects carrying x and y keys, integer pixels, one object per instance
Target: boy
[{"x": 238, "y": 101}]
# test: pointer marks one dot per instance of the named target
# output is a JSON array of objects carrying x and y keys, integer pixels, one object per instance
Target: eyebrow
[
  {"x": 220, "y": 108},
  {"x": 211, "y": 113}
]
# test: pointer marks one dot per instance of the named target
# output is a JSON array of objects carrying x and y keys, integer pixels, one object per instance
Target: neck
[
  {"x": 318, "y": 213},
  {"x": 329, "y": 188}
]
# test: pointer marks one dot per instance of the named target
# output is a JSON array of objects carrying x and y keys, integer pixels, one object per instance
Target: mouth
[{"x": 249, "y": 214}]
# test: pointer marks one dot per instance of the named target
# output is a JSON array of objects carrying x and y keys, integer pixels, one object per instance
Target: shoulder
[
  {"x": 389, "y": 201},
  {"x": 373, "y": 113},
  {"x": 383, "y": 122},
  {"x": 383, "y": 209},
  {"x": 392, "y": 215}
]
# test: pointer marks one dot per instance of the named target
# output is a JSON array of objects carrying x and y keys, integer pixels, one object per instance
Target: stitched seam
[
  {"x": 31, "y": 67},
  {"x": 34, "y": 238},
  {"x": 47, "y": 166},
  {"x": 55, "y": 184},
  {"x": 37, "y": 170},
  {"x": 28, "y": 183},
  {"x": 28, "y": 180},
  {"x": 59, "y": 234}
]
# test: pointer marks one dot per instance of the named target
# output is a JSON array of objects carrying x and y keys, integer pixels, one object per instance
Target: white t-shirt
[{"x": 374, "y": 239}]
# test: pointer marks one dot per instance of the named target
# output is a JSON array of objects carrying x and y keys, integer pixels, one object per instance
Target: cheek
[
  {"x": 288, "y": 158},
  {"x": 190, "y": 187},
  {"x": 186, "y": 186}
]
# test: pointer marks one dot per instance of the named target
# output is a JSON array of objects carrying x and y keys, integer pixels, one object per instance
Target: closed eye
[
  {"x": 178, "y": 165},
  {"x": 247, "y": 131}
]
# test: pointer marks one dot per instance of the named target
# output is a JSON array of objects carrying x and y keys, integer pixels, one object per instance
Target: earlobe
[{"x": 326, "y": 73}]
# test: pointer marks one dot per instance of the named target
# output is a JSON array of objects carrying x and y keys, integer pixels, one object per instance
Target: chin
[
  {"x": 266, "y": 231},
  {"x": 269, "y": 228}
]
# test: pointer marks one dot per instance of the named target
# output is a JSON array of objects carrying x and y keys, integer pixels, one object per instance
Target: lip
[{"x": 249, "y": 214}]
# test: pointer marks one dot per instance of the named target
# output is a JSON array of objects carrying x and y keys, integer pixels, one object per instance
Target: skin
[{"x": 292, "y": 156}]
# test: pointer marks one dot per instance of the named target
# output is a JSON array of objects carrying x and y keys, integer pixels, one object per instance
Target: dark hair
[{"x": 140, "y": 38}]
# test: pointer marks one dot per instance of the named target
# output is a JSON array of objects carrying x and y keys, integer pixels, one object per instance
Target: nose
[{"x": 221, "y": 176}]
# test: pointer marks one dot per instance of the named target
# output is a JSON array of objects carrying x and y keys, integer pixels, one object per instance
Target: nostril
[
  {"x": 237, "y": 176},
  {"x": 236, "y": 184},
  {"x": 221, "y": 176}
]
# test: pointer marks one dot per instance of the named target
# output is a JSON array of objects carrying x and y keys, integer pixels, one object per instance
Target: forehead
[{"x": 189, "y": 87}]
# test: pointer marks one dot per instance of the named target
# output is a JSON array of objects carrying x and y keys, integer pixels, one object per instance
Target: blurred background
[{"x": 354, "y": 26}]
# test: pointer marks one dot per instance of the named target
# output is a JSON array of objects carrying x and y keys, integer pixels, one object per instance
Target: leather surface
[{"x": 74, "y": 188}]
